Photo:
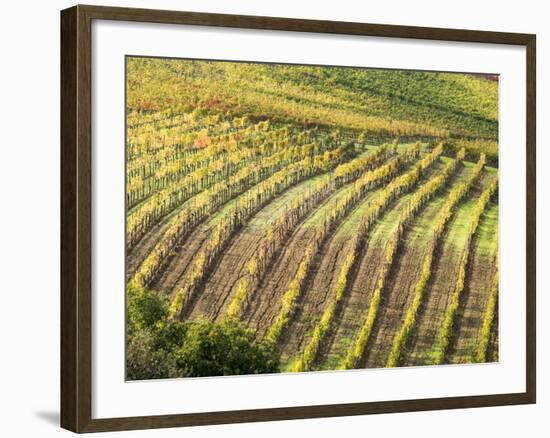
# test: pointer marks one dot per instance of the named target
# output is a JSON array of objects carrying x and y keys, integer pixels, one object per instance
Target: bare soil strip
[
  {"x": 493, "y": 350},
  {"x": 469, "y": 318},
  {"x": 443, "y": 280},
  {"x": 218, "y": 290},
  {"x": 265, "y": 305},
  {"x": 405, "y": 274},
  {"x": 175, "y": 273},
  {"x": 139, "y": 252}
]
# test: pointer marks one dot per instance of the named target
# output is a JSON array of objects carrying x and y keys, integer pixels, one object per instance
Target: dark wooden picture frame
[{"x": 76, "y": 218}]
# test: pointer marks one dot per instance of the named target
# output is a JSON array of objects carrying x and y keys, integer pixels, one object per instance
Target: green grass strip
[
  {"x": 456, "y": 195},
  {"x": 444, "y": 335},
  {"x": 419, "y": 199},
  {"x": 379, "y": 204}
]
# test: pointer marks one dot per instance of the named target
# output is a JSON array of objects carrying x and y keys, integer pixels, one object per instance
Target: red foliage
[
  {"x": 213, "y": 103},
  {"x": 144, "y": 105},
  {"x": 201, "y": 143}
]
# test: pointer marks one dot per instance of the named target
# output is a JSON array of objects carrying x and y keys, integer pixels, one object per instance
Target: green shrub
[
  {"x": 145, "y": 308},
  {"x": 144, "y": 361},
  {"x": 227, "y": 348}
]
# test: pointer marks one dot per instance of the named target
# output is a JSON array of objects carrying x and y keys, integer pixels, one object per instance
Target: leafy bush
[
  {"x": 145, "y": 361},
  {"x": 159, "y": 348},
  {"x": 227, "y": 348},
  {"x": 145, "y": 308}
]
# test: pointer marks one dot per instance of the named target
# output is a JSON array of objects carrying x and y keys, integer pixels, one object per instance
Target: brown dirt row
[
  {"x": 266, "y": 303},
  {"x": 442, "y": 283},
  {"x": 174, "y": 274},
  {"x": 264, "y": 306},
  {"x": 479, "y": 278},
  {"x": 219, "y": 288},
  {"x": 398, "y": 294},
  {"x": 139, "y": 252},
  {"x": 260, "y": 313},
  {"x": 493, "y": 350}
]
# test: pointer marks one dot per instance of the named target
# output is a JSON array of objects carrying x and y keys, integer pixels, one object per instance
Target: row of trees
[
  {"x": 164, "y": 173},
  {"x": 409, "y": 211},
  {"x": 148, "y": 134},
  {"x": 454, "y": 198},
  {"x": 379, "y": 204},
  {"x": 204, "y": 147}
]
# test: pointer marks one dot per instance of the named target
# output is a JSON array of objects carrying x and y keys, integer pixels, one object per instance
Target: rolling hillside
[{"x": 346, "y": 217}]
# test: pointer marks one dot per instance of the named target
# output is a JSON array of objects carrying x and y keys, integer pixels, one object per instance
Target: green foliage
[
  {"x": 145, "y": 308},
  {"x": 242, "y": 291},
  {"x": 159, "y": 349},
  {"x": 224, "y": 349},
  {"x": 290, "y": 297},
  {"x": 144, "y": 360},
  {"x": 455, "y": 101}
]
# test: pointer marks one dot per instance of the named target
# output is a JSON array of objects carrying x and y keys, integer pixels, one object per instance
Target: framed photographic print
[{"x": 268, "y": 218}]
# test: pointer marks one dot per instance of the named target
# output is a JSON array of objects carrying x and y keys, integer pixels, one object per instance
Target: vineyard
[{"x": 308, "y": 218}]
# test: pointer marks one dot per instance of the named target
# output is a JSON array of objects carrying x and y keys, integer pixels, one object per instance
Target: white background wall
[{"x": 29, "y": 215}]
